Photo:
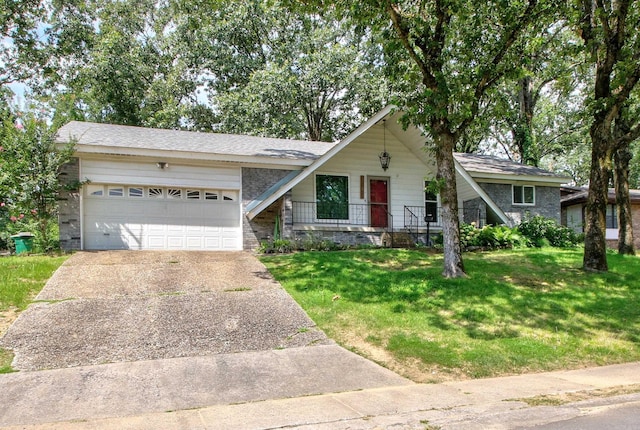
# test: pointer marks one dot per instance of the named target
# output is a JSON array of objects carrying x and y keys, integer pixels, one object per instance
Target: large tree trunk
[
  {"x": 524, "y": 128},
  {"x": 622, "y": 157},
  {"x": 446, "y": 174},
  {"x": 595, "y": 246}
]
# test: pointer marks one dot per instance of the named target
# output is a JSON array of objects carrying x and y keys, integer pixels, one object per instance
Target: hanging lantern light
[{"x": 384, "y": 156}]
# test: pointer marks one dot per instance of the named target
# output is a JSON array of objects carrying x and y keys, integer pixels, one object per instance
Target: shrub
[
  {"x": 541, "y": 231},
  {"x": 276, "y": 246}
]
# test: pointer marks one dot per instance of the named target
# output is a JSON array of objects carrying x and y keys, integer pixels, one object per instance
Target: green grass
[
  {"x": 21, "y": 278},
  {"x": 518, "y": 311}
]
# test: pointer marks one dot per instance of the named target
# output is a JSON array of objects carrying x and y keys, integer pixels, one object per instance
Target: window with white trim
[
  {"x": 229, "y": 196},
  {"x": 211, "y": 195},
  {"x": 136, "y": 192},
  {"x": 193, "y": 194},
  {"x": 174, "y": 193},
  {"x": 430, "y": 203},
  {"x": 524, "y": 195},
  {"x": 116, "y": 192},
  {"x": 95, "y": 190},
  {"x": 612, "y": 216},
  {"x": 155, "y": 193}
]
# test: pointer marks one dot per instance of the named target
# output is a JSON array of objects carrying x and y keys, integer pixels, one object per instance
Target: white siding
[
  {"x": 147, "y": 173},
  {"x": 574, "y": 218},
  {"x": 406, "y": 173}
]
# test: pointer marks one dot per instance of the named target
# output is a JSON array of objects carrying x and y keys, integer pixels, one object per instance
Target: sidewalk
[{"x": 454, "y": 405}]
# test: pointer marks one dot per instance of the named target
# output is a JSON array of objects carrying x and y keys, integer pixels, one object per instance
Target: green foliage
[
  {"x": 542, "y": 231},
  {"x": 490, "y": 237},
  {"x": 279, "y": 246},
  {"x": 29, "y": 180}
]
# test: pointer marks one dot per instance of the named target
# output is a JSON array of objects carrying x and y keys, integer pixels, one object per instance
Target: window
[
  {"x": 193, "y": 194},
  {"x": 228, "y": 196},
  {"x": 332, "y": 197},
  {"x": 211, "y": 195},
  {"x": 155, "y": 193},
  {"x": 524, "y": 195},
  {"x": 612, "y": 216},
  {"x": 136, "y": 192},
  {"x": 95, "y": 190},
  {"x": 116, "y": 192},
  {"x": 430, "y": 203},
  {"x": 174, "y": 193}
]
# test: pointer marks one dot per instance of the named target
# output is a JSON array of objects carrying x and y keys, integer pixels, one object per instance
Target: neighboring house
[
  {"x": 165, "y": 189},
  {"x": 574, "y": 201}
]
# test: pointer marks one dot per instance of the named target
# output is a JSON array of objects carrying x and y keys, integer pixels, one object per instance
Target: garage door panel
[{"x": 146, "y": 223}]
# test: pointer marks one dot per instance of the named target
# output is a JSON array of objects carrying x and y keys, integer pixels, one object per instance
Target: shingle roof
[
  {"x": 120, "y": 136},
  {"x": 580, "y": 195},
  {"x": 475, "y": 163}
]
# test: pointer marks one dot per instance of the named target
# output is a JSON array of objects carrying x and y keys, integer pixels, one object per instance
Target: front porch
[{"x": 374, "y": 224}]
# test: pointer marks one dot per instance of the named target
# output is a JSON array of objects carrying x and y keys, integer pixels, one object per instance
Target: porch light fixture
[
  {"x": 384, "y": 156},
  {"x": 162, "y": 164}
]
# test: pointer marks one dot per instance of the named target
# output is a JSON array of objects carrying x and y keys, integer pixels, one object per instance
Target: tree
[
  {"x": 609, "y": 32},
  {"x": 295, "y": 75},
  {"x": 449, "y": 54},
  {"x": 538, "y": 115},
  {"x": 30, "y": 161}
]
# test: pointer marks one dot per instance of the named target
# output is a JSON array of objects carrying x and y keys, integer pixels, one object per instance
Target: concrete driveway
[
  {"x": 107, "y": 307},
  {"x": 126, "y": 333}
]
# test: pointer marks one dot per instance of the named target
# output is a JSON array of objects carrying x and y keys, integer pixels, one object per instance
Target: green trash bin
[{"x": 23, "y": 242}]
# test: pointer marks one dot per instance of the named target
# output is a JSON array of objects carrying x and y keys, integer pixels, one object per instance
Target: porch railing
[
  {"x": 414, "y": 217},
  {"x": 350, "y": 214}
]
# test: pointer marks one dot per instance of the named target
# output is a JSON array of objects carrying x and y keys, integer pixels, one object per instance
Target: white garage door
[{"x": 136, "y": 217}]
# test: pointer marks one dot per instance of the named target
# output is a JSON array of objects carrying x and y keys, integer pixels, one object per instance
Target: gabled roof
[
  {"x": 490, "y": 167},
  {"x": 121, "y": 139},
  {"x": 276, "y": 193}
]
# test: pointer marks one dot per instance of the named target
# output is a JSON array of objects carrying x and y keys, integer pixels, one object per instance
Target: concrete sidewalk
[{"x": 482, "y": 404}]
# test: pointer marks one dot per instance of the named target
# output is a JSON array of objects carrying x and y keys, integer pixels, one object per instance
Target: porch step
[{"x": 398, "y": 239}]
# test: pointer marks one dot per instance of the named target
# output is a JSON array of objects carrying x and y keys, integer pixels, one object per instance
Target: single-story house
[
  {"x": 167, "y": 189},
  {"x": 573, "y": 201}
]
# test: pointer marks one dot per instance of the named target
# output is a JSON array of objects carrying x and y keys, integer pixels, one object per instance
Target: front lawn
[
  {"x": 21, "y": 279},
  {"x": 518, "y": 311}
]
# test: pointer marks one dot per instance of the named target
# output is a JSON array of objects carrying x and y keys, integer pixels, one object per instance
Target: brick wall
[
  {"x": 256, "y": 181},
  {"x": 69, "y": 207},
  {"x": 547, "y": 201}
]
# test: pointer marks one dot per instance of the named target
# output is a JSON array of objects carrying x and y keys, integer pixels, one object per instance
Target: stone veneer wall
[
  {"x": 69, "y": 207},
  {"x": 256, "y": 181},
  {"x": 547, "y": 201},
  {"x": 351, "y": 238}
]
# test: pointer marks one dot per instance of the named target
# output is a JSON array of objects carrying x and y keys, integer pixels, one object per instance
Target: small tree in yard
[{"x": 30, "y": 162}]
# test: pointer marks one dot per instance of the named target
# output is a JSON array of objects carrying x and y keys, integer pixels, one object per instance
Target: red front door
[{"x": 379, "y": 200}]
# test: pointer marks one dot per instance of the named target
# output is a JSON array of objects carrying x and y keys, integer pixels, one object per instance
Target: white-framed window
[
  {"x": 211, "y": 195},
  {"x": 430, "y": 203},
  {"x": 612, "y": 217},
  {"x": 174, "y": 193},
  {"x": 116, "y": 192},
  {"x": 229, "y": 196},
  {"x": 155, "y": 193},
  {"x": 524, "y": 195},
  {"x": 136, "y": 192},
  {"x": 193, "y": 194},
  {"x": 95, "y": 190}
]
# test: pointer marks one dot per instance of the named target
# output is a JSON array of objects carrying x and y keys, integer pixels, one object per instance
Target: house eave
[
  {"x": 511, "y": 178},
  {"x": 187, "y": 155}
]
